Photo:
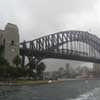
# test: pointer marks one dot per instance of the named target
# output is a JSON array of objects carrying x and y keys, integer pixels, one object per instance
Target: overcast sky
[
  {"x": 36, "y": 18},
  {"x": 40, "y": 17}
]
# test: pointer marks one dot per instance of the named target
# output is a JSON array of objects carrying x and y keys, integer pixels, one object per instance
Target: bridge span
[{"x": 74, "y": 45}]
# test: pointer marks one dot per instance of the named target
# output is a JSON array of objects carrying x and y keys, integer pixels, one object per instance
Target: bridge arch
[{"x": 44, "y": 47}]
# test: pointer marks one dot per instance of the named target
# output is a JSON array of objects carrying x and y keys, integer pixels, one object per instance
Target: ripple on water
[
  {"x": 69, "y": 90},
  {"x": 92, "y": 95}
]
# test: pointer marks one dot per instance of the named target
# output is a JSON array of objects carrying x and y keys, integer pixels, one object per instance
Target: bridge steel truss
[{"x": 52, "y": 46}]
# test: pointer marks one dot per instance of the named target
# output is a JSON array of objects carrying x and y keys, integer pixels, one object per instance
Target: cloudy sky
[
  {"x": 36, "y": 18},
  {"x": 40, "y": 17}
]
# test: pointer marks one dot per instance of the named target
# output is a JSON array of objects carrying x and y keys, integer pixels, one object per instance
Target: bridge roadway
[{"x": 48, "y": 54}]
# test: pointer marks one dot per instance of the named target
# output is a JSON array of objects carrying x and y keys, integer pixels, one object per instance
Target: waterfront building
[
  {"x": 96, "y": 69},
  {"x": 51, "y": 75},
  {"x": 9, "y": 39}
]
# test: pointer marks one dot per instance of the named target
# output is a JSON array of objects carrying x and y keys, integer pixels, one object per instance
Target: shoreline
[
  {"x": 28, "y": 82},
  {"x": 38, "y": 82}
]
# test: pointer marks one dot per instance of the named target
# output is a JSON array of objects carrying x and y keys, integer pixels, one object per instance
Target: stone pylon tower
[{"x": 11, "y": 41}]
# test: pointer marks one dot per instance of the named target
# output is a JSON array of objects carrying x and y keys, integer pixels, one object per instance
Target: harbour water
[{"x": 68, "y": 90}]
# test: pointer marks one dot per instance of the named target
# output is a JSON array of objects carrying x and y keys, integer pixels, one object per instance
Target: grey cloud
[
  {"x": 36, "y": 18},
  {"x": 40, "y": 17}
]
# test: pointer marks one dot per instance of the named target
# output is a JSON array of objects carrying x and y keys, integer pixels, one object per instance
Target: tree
[
  {"x": 6, "y": 70},
  {"x": 40, "y": 68},
  {"x": 1, "y": 51}
]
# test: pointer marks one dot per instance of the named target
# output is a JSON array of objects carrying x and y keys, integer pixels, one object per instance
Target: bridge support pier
[{"x": 23, "y": 61}]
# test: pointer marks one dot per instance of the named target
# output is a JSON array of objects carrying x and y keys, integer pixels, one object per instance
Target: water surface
[{"x": 68, "y": 90}]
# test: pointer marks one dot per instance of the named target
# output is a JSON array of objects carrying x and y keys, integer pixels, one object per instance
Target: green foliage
[
  {"x": 3, "y": 61},
  {"x": 7, "y": 71},
  {"x": 4, "y": 68},
  {"x": 1, "y": 51},
  {"x": 40, "y": 68}
]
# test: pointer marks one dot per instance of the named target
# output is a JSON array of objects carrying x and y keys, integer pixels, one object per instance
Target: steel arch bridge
[{"x": 75, "y": 45}]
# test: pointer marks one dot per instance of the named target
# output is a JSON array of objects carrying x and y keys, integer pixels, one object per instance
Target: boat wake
[{"x": 92, "y": 95}]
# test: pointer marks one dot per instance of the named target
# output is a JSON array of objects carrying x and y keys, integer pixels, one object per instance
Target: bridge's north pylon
[{"x": 75, "y": 45}]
